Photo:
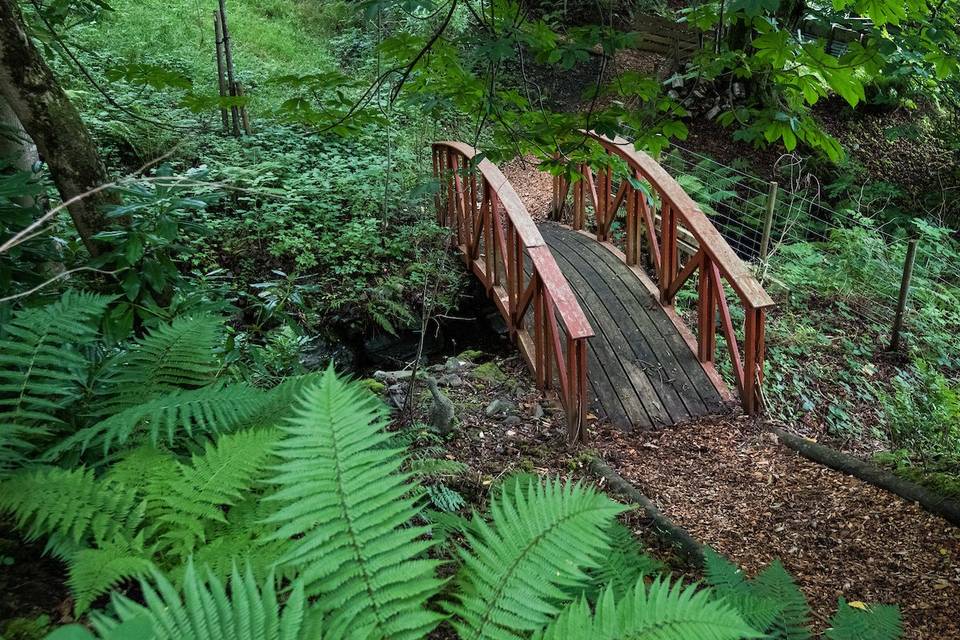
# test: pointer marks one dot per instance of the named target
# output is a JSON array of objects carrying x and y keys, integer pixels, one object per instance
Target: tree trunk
[
  {"x": 16, "y": 148},
  {"x": 50, "y": 119}
]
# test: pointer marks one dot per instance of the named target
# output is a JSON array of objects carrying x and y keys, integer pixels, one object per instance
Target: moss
[
  {"x": 375, "y": 386},
  {"x": 491, "y": 373},
  {"x": 470, "y": 355}
]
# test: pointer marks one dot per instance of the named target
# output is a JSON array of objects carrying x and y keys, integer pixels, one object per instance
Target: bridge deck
[{"x": 641, "y": 371}]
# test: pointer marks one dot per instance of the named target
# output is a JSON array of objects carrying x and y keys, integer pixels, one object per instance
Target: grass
[{"x": 270, "y": 38}]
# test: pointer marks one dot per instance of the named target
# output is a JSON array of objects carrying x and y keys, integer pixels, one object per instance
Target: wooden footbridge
[{"x": 589, "y": 297}]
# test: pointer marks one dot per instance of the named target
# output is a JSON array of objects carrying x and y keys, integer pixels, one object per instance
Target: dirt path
[{"x": 736, "y": 489}]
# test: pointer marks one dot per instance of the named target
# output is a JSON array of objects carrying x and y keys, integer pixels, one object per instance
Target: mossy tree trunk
[{"x": 29, "y": 87}]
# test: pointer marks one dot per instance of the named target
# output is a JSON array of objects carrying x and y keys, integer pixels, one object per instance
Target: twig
[{"x": 59, "y": 276}]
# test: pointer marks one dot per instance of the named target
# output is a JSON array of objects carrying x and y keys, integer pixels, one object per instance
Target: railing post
[
  {"x": 706, "y": 313},
  {"x": 632, "y": 236},
  {"x": 768, "y": 221},
  {"x": 750, "y": 362},
  {"x": 668, "y": 251},
  {"x": 539, "y": 333},
  {"x": 904, "y": 294}
]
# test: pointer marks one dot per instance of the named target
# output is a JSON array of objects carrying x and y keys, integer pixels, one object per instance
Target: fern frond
[
  {"x": 345, "y": 514},
  {"x": 41, "y": 369},
  {"x": 543, "y": 536},
  {"x": 760, "y": 608},
  {"x": 444, "y": 498},
  {"x": 876, "y": 622},
  {"x": 95, "y": 571},
  {"x": 71, "y": 504},
  {"x": 623, "y": 565},
  {"x": 206, "y": 609},
  {"x": 793, "y": 620},
  {"x": 179, "y": 355},
  {"x": 240, "y": 537},
  {"x": 662, "y": 611},
  {"x": 210, "y": 410},
  {"x": 218, "y": 478}
]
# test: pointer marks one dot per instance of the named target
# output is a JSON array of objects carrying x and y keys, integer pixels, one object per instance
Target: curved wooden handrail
[
  {"x": 697, "y": 223},
  {"x": 659, "y": 230},
  {"x": 499, "y": 241}
]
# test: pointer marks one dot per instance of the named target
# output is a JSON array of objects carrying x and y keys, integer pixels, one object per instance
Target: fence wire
[{"x": 866, "y": 257}]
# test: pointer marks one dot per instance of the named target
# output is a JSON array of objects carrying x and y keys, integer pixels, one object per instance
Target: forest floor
[{"x": 735, "y": 488}]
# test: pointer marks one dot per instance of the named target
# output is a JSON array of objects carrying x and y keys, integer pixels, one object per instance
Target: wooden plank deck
[{"x": 641, "y": 371}]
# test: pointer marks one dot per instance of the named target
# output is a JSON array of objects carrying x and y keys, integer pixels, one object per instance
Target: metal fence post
[
  {"x": 768, "y": 221},
  {"x": 904, "y": 294}
]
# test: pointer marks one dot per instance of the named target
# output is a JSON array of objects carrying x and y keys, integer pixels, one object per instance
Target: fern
[
  {"x": 624, "y": 565},
  {"x": 240, "y": 537},
  {"x": 206, "y": 609},
  {"x": 345, "y": 509},
  {"x": 542, "y": 538},
  {"x": 444, "y": 498},
  {"x": 70, "y": 504},
  {"x": 218, "y": 478},
  {"x": 41, "y": 369},
  {"x": 95, "y": 571},
  {"x": 793, "y": 620},
  {"x": 662, "y": 611},
  {"x": 209, "y": 410},
  {"x": 878, "y": 622},
  {"x": 771, "y": 601},
  {"x": 179, "y": 355}
]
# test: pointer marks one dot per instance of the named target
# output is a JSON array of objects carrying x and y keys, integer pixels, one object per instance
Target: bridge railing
[
  {"x": 660, "y": 216},
  {"x": 502, "y": 246}
]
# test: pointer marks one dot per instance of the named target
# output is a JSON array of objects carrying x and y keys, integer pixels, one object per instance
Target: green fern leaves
[
  {"x": 345, "y": 509},
  {"x": 218, "y": 478},
  {"x": 662, "y": 611},
  {"x": 878, "y": 622},
  {"x": 206, "y": 609},
  {"x": 41, "y": 369},
  {"x": 179, "y": 355},
  {"x": 94, "y": 571},
  {"x": 520, "y": 567},
  {"x": 773, "y": 602},
  {"x": 209, "y": 410},
  {"x": 70, "y": 504}
]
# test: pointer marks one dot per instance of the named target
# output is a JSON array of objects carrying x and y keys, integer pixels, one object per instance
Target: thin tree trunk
[
  {"x": 53, "y": 123},
  {"x": 228, "y": 58}
]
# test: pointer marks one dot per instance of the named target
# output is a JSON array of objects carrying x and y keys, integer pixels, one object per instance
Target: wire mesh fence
[{"x": 864, "y": 256}]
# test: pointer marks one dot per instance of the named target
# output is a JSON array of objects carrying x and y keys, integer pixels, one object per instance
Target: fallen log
[
  {"x": 662, "y": 526},
  {"x": 933, "y": 502}
]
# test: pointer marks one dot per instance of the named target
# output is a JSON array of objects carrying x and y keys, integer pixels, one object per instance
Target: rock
[
  {"x": 376, "y": 387},
  {"x": 391, "y": 377},
  {"x": 489, "y": 372},
  {"x": 499, "y": 407},
  {"x": 470, "y": 355},
  {"x": 397, "y": 395},
  {"x": 450, "y": 380},
  {"x": 512, "y": 421},
  {"x": 537, "y": 412}
]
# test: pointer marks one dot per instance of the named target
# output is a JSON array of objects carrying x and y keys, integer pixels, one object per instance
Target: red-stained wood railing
[
  {"x": 498, "y": 238},
  {"x": 660, "y": 222}
]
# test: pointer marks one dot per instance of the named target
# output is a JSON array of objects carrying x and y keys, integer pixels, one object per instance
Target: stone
[
  {"x": 499, "y": 407},
  {"x": 450, "y": 380},
  {"x": 537, "y": 412},
  {"x": 470, "y": 355},
  {"x": 512, "y": 421},
  {"x": 489, "y": 372}
]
